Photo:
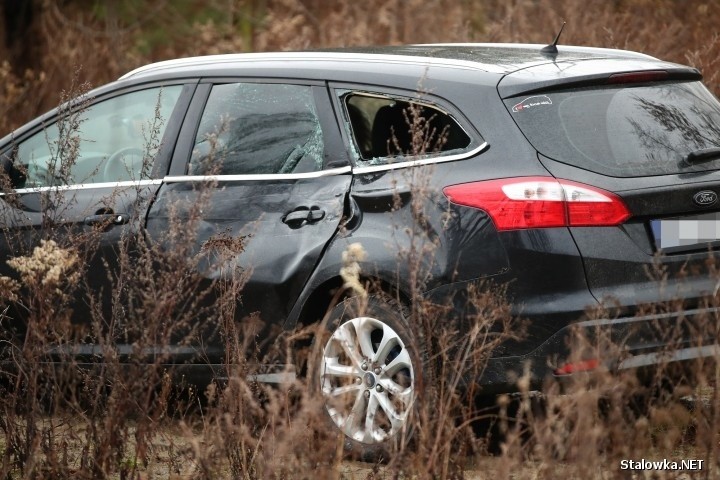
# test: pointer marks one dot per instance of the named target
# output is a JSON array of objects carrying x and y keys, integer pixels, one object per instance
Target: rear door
[
  {"x": 260, "y": 167},
  {"x": 652, "y": 138}
]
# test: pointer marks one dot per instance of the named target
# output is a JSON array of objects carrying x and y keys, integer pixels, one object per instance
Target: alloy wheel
[{"x": 368, "y": 380}]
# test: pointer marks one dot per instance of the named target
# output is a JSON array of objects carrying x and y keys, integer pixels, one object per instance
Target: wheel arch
[{"x": 325, "y": 295}]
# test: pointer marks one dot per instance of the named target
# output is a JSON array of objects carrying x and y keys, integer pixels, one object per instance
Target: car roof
[{"x": 492, "y": 58}]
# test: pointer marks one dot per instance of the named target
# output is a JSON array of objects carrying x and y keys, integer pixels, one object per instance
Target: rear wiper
[{"x": 703, "y": 155}]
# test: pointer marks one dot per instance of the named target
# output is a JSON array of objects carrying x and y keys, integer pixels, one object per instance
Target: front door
[{"x": 76, "y": 190}]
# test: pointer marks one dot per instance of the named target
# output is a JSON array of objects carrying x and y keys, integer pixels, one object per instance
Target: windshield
[{"x": 623, "y": 131}]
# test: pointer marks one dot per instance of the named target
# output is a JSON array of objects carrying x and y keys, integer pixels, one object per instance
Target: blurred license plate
[{"x": 693, "y": 231}]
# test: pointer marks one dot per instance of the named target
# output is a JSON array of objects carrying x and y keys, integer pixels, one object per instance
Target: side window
[
  {"x": 384, "y": 127},
  {"x": 111, "y": 141},
  {"x": 254, "y": 128}
]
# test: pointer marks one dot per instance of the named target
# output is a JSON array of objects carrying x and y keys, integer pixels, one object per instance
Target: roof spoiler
[{"x": 529, "y": 81}]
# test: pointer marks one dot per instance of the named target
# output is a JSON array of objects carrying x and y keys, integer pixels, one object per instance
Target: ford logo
[{"x": 705, "y": 198}]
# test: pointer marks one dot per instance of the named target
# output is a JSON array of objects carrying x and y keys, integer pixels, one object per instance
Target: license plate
[{"x": 687, "y": 232}]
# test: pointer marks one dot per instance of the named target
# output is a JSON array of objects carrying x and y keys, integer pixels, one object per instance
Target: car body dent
[{"x": 468, "y": 245}]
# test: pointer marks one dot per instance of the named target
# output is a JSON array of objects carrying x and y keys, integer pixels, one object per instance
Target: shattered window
[
  {"x": 255, "y": 128},
  {"x": 384, "y": 127}
]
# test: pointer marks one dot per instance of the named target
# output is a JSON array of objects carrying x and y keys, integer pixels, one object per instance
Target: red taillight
[{"x": 540, "y": 202}]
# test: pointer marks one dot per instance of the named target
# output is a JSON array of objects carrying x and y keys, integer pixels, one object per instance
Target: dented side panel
[{"x": 278, "y": 255}]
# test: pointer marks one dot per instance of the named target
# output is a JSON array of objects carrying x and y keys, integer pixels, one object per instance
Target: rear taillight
[{"x": 540, "y": 202}]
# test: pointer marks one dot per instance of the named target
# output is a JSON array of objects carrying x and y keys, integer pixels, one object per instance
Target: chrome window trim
[
  {"x": 257, "y": 177},
  {"x": 421, "y": 161},
  {"x": 85, "y": 186}
]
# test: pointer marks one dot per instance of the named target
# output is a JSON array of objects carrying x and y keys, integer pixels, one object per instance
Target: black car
[{"x": 566, "y": 176}]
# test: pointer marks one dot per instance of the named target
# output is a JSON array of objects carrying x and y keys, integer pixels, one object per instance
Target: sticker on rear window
[{"x": 531, "y": 102}]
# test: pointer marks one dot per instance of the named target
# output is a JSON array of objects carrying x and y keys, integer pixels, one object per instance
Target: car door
[
  {"x": 82, "y": 180},
  {"x": 260, "y": 162}
]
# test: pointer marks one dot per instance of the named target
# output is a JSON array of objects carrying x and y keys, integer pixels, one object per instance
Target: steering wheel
[{"x": 124, "y": 164}]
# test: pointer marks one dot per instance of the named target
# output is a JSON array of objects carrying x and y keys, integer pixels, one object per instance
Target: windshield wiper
[{"x": 703, "y": 155}]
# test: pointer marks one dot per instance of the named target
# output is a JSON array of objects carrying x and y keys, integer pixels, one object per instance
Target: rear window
[{"x": 623, "y": 131}]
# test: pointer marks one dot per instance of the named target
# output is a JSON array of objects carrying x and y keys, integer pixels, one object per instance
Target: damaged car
[{"x": 565, "y": 175}]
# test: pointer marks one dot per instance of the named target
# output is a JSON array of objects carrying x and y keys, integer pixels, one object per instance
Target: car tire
[{"x": 371, "y": 375}]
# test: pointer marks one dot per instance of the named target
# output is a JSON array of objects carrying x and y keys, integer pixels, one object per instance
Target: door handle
[
  {"x": 315, "y": 215},
  {"x": 107, "y": 219},
  {"x": 299, "y": 217}
]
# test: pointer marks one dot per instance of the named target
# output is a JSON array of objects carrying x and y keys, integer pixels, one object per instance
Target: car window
[
  {"x": 623, "y": 131},
  {"x": 111, "y": 141},
  {"x": 255, "y": 128},
  {"x": 385, "y": 127}
]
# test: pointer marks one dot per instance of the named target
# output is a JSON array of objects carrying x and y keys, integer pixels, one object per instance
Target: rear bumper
[{"x": 622, "y": 344}]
